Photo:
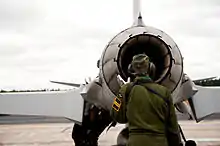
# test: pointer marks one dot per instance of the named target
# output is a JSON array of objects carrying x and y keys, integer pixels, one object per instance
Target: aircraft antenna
[{"x": 137, "y": 13}]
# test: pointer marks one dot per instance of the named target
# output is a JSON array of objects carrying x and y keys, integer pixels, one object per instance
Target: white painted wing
[
  {"x": 68, "y": 104},
  {"x": 205, "y": 102}
]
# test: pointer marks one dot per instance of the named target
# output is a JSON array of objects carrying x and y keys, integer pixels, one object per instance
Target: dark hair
[{"x": 98, "y": 63}]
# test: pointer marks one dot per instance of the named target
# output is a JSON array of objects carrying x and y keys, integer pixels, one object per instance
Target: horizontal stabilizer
[
  {"x": 68, "y": 84},
  {"x": 67, "y": 104},
  {"x": 199, "y": 80},
  {"x": 205, "y": 102}
]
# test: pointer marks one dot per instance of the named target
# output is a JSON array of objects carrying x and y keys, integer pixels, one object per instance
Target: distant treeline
[
  {"x": 41, "y": 90},
  {"x": 215, "y": 82}
]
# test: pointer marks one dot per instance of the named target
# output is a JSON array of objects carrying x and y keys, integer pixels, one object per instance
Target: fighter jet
[{"x": 113, "y": 64}]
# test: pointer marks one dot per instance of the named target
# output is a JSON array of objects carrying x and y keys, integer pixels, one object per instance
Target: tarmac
[{"x": 43, "y": 131}]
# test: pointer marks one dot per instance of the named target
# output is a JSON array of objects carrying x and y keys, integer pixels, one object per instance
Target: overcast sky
[{"x": 42, "y": 40}]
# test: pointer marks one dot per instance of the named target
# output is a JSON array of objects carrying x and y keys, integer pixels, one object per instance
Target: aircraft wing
[
  {"x": 68, "y": 104},
  {"x": 205, "y": 102},
  {"x": 65, "y": 83}
]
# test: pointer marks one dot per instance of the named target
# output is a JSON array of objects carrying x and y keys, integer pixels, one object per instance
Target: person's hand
[{"x": 120, "y": 80}]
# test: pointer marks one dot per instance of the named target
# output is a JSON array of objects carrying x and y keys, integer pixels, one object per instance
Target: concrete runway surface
[{"x": 206, "y": 133}]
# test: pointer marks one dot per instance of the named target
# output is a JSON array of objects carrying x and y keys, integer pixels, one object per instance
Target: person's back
[
  {"x": 148, "y": 109},
  {"x": 146, "y": 115}
]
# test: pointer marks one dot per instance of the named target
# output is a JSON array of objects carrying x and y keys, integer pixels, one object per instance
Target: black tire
[{"x": 190, "y": 143}]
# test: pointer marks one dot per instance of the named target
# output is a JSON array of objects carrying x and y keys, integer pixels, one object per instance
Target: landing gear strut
[{"x": 94, "y": 123}]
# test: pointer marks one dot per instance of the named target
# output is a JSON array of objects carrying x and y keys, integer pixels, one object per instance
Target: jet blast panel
[{"x": 147, "y": 44}]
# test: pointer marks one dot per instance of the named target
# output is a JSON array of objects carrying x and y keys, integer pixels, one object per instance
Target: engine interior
[{"x": 150, "y": 45}]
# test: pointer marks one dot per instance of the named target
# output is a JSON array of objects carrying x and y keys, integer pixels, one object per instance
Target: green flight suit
[{"x": 145, "y": 114}]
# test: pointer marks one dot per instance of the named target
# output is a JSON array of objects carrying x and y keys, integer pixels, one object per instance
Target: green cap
[{"x": 140, "y": 64}]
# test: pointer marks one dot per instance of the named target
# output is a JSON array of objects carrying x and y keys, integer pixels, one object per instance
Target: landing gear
[
  {"x": 83, "y": 137},
  {"x": 94, "y": 123}
]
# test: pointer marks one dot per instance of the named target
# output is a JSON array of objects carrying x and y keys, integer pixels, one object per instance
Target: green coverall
[{"x": 145, "y": 114}]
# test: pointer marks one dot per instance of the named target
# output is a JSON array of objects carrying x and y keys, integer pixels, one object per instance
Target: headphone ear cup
[{"x": 152, "y": 70}]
